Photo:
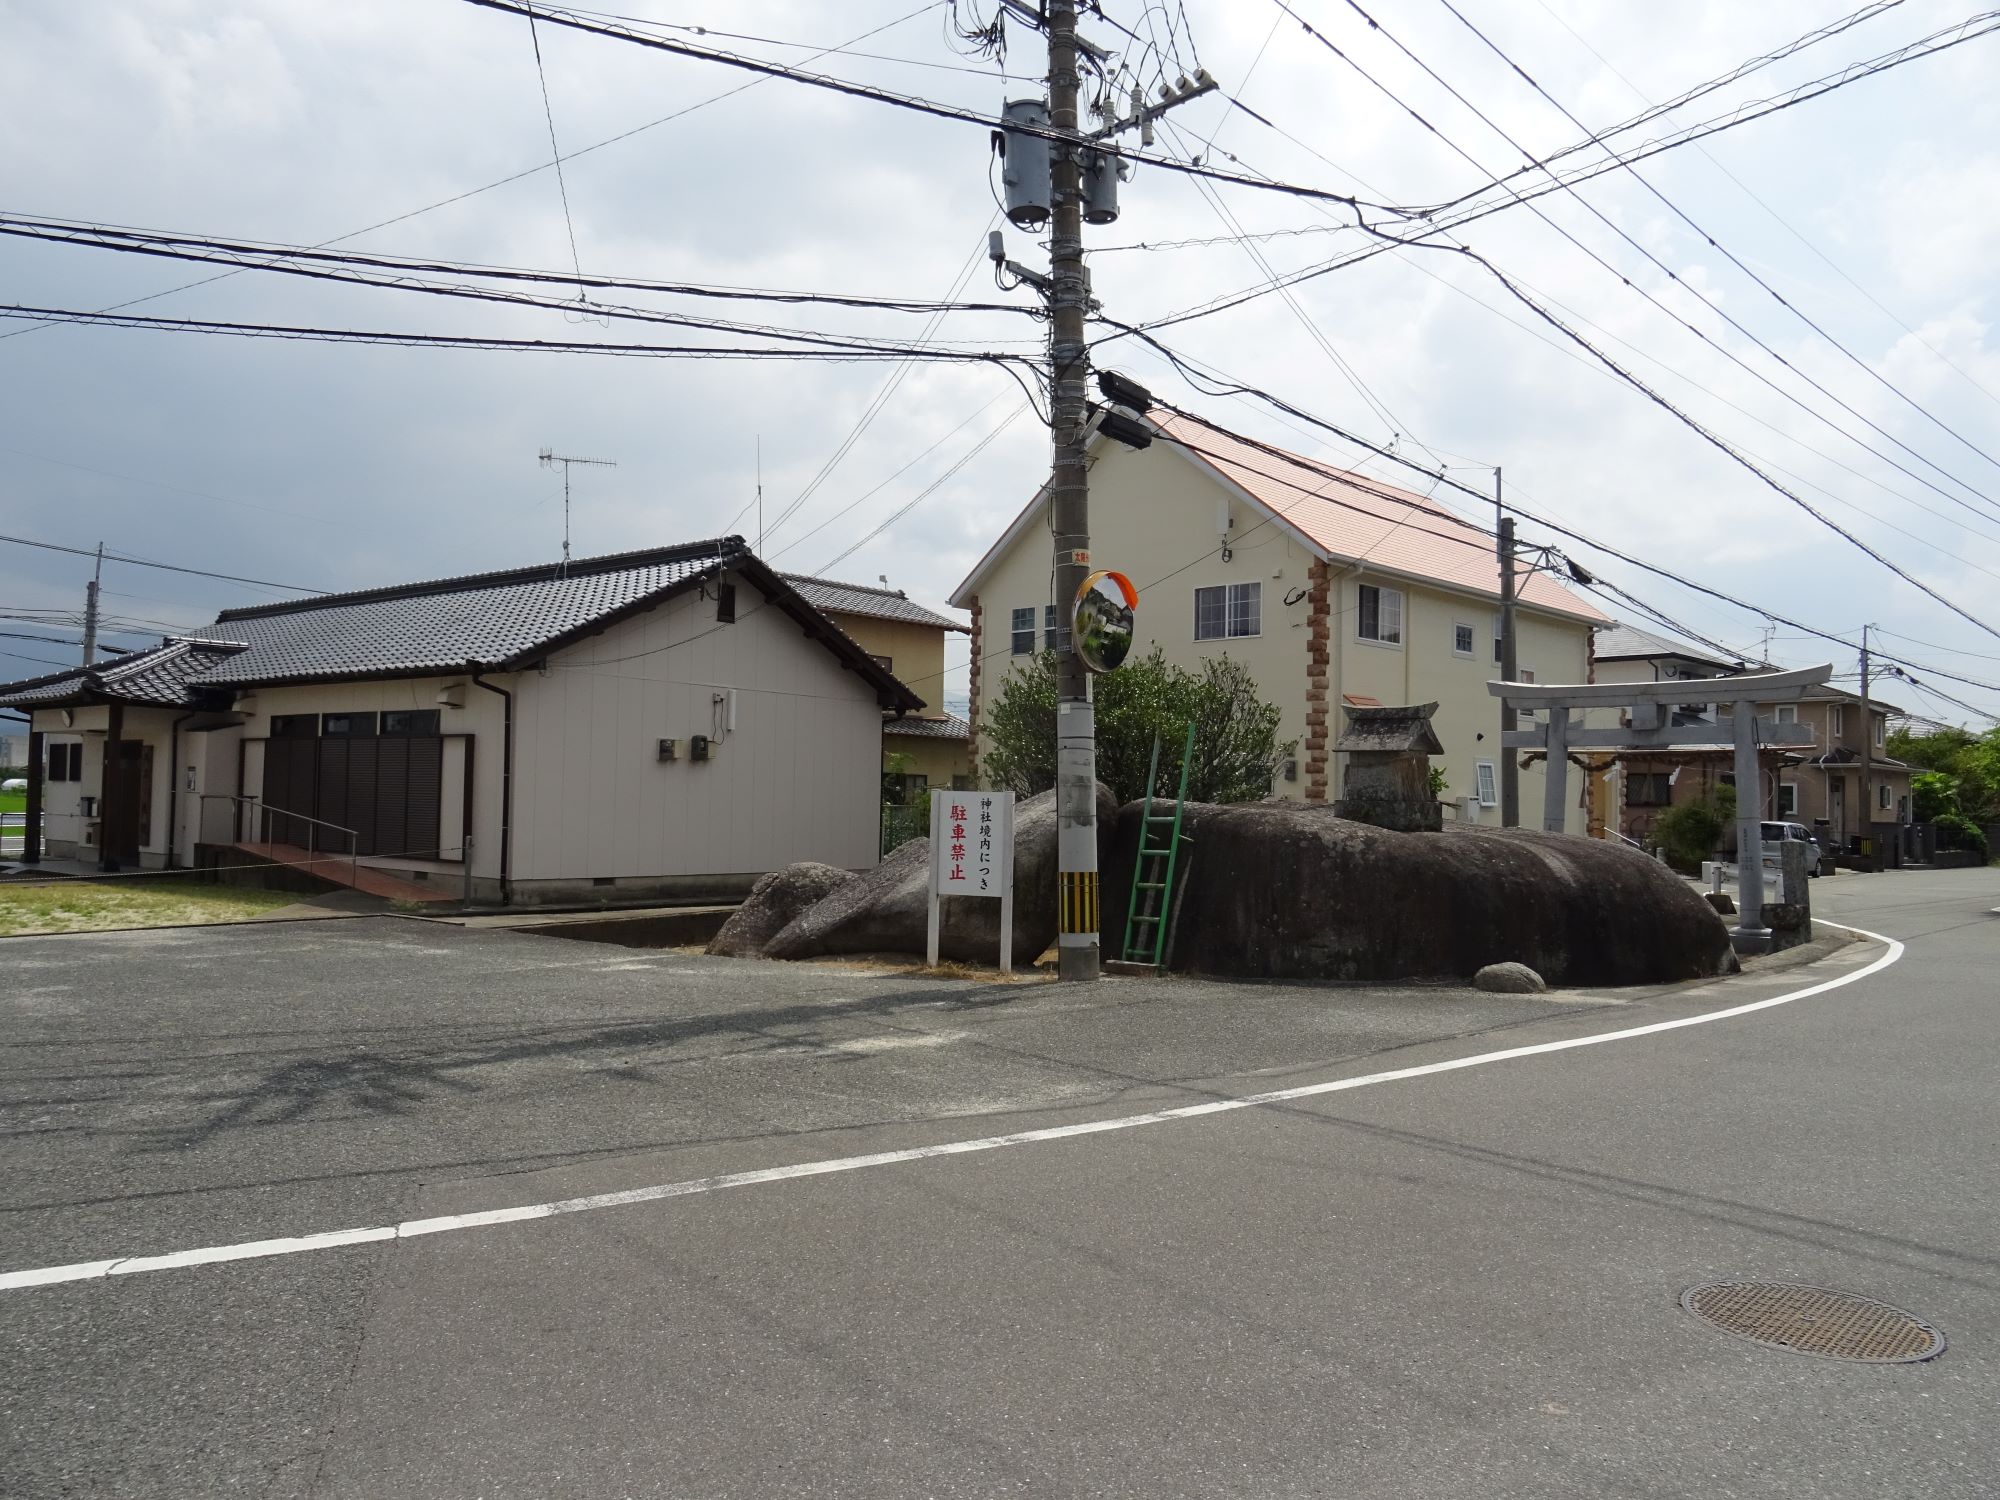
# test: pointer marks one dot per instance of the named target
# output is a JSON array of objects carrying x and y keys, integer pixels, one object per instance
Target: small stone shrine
[{"x": 1388, "y": 782}]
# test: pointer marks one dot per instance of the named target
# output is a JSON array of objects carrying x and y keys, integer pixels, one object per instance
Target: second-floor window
[
  {"x": 1786, "y": 713},
  {"x": 1228, "y": 610},
  {"x": 1380, "y": 615},
  {"x": 1484, "y": 775},
  {"x": 1022, "y": 631},
  {"x": 1881, "y": 732},
  {"x": 1839, "y": 719},
  {"x": 1049, "y": 641},
  {"x": 1461, "y": 638}
]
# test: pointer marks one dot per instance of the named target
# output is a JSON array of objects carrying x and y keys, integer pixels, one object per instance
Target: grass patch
[
  {"x": 92, "y": 906},
  {"x": 13, "y": 802}
]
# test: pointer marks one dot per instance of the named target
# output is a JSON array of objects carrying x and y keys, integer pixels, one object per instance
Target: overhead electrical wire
[
  {"x": 512, "y": 177},
  {"x": 503, "y": 296},
  {"x": 1688, "y": 96},
  {"x": 1953, "y": 36},
  {"x": 257, "y": 252},
  {"x": 901, "y": 101},
  {"x": 1672, "y": 276},
  {"x": 144, "y": 562},
  {"x": 1730, "y": 256},
  {"x": 1778, "y": 218},
  {"x": 1444, "y": 479},
  {"x": 475, "y": 341}
]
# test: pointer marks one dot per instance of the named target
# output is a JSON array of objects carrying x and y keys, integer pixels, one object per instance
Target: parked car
[{"x": 1793, "y": 833}]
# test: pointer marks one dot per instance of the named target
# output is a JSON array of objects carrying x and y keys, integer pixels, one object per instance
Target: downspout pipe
[
  {"x": 174, "y": 785},
  {"x": 506, "y": 783}
]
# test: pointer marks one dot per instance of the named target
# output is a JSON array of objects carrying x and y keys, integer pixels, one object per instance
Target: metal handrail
[{"x": 312, "y": 845}]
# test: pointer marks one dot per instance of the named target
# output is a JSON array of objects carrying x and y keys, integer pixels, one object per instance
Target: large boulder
[
  {"x": 1285, "y": 890},
  {"x": 886, "y": 909},
  {"x": 772, "y": 904}
]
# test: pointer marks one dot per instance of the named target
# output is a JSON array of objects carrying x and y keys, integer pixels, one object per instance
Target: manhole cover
[{"x": 1814, "y": 1320}]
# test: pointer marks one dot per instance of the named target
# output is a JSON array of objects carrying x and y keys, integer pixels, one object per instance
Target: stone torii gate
[{"x": 1650, "y": 706}]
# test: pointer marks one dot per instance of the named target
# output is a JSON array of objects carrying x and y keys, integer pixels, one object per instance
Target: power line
[
  {"x": 882, "y": 396},
  {"x": 1443, "y": 478},
  {"x": 1687, "y": 96},
  {"x": 960, "y": 426},
  {"x": 501, "y": 182},
  {"x": 901, "y": 101},
  {"x": 555, "y": 151},
  {"x": 838, "y": 354},
  {"x": 404, "y": 283},
  {"x": 1782, "y": 222},
  {"x": 257, "y": 252},
  {"x": 1965, "y": 31},
  {"x": 1649, "y": 256},
  {"x": 142, "y": 562},
  {"x": 1732, "y": 258},
  {"x": 928, "y": 490}
]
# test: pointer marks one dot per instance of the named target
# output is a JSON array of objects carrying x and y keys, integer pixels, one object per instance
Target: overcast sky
[{"x": 337, "y": 467}]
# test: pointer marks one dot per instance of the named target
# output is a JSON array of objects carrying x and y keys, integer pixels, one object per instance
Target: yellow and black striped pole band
[{"x": 1077, "y": 902}]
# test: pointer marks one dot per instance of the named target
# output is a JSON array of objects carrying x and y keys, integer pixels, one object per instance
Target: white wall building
[{"x": 647, "y": 723}]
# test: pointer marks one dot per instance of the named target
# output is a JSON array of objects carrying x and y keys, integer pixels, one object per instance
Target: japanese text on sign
[{"x": 972, "y": 848}]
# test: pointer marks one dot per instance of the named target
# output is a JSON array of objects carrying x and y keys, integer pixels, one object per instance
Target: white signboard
[{"x": 972, "y": 854}]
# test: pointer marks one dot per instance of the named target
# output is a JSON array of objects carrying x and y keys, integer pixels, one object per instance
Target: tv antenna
[{"x": 549, "y": 460}]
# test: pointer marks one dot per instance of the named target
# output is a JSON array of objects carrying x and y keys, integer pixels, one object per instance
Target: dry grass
[{"x": 93, "y": 906}]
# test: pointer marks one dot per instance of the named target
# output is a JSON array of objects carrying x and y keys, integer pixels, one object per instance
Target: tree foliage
[
  {"x": 1237, "y": 752},
  {"x": 1959, "y": 772},
  {"x": 1691, "y": 832}
]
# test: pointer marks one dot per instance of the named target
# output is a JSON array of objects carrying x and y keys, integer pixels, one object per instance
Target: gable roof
[
  {"x": 1343, "y": 516},
  {"x": 1630, "y": 643},
  {"x": 863, "y": 599},
  {"x": 161, "y": 675},
  {"x": 498, "y": 621}
]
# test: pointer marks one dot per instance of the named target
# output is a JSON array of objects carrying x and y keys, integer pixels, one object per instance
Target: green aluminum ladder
[{"x": 1146, "y": 917}]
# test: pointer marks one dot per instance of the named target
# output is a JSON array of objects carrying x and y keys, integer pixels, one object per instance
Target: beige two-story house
[
  {"x": 1334, "y": 588},
  {"x": 1819, "y": 786},
  {"x": 931, "y": 747}
]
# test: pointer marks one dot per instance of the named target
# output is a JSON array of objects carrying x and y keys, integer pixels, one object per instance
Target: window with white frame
[
  {"x": 1524, "y": 674},
  {"x": 1497, "y": 641},
  {"x": 1788, "y": 799},
  {"x": 1461, "y": 638},
  {"x": 1839, "y": 719},
  {"x": 1227, "y": 611},
  {"x": 1022, "y": 631},
  {"x": 1487, "y": 795},
  {"x": 1786, "y": 713},
  {"x": 1049, "y": 641},
  {"x": 1881, "y": 732},
  {"x": 1882, "y": 795},
  {"x": 1379, "y": 617}
]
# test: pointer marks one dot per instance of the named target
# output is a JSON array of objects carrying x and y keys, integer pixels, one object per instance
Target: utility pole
[
  {"x": 1867, "y": 748},
  {"x": 90, "y": 610},
  {"x": 549, "y": 461},
  {"x": 1510, "y": 769},
  {"x": 1069, "y": 507},
  {"x": 1058, "y": 175}
]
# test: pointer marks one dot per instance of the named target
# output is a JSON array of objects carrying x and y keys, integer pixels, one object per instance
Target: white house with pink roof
[{"x": 1333, "y": 587}]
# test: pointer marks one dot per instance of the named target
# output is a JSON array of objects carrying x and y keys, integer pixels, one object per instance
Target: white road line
[{"x": 91, "y": 1270}]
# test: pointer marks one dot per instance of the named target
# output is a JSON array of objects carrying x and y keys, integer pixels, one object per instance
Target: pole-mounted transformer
[
  {"x": 1024, "y": 163},
  {"x": 1024, "y": 170}
]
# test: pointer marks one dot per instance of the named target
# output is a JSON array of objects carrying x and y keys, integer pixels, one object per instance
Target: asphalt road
[{"x": 1459, "y": 1284}]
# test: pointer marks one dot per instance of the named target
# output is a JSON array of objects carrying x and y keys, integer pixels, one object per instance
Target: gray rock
[
  {"x": 1286, "y": 890},
  {"x": 772, "y": 904},
  {"x": 1720, "y": 901},
  {"x": 1509, "y": 979},
  {"x": 886, "y": 909}
]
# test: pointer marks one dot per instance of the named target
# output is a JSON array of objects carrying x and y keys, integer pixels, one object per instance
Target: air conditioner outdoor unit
[{"x": 1468, "y": 809}]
